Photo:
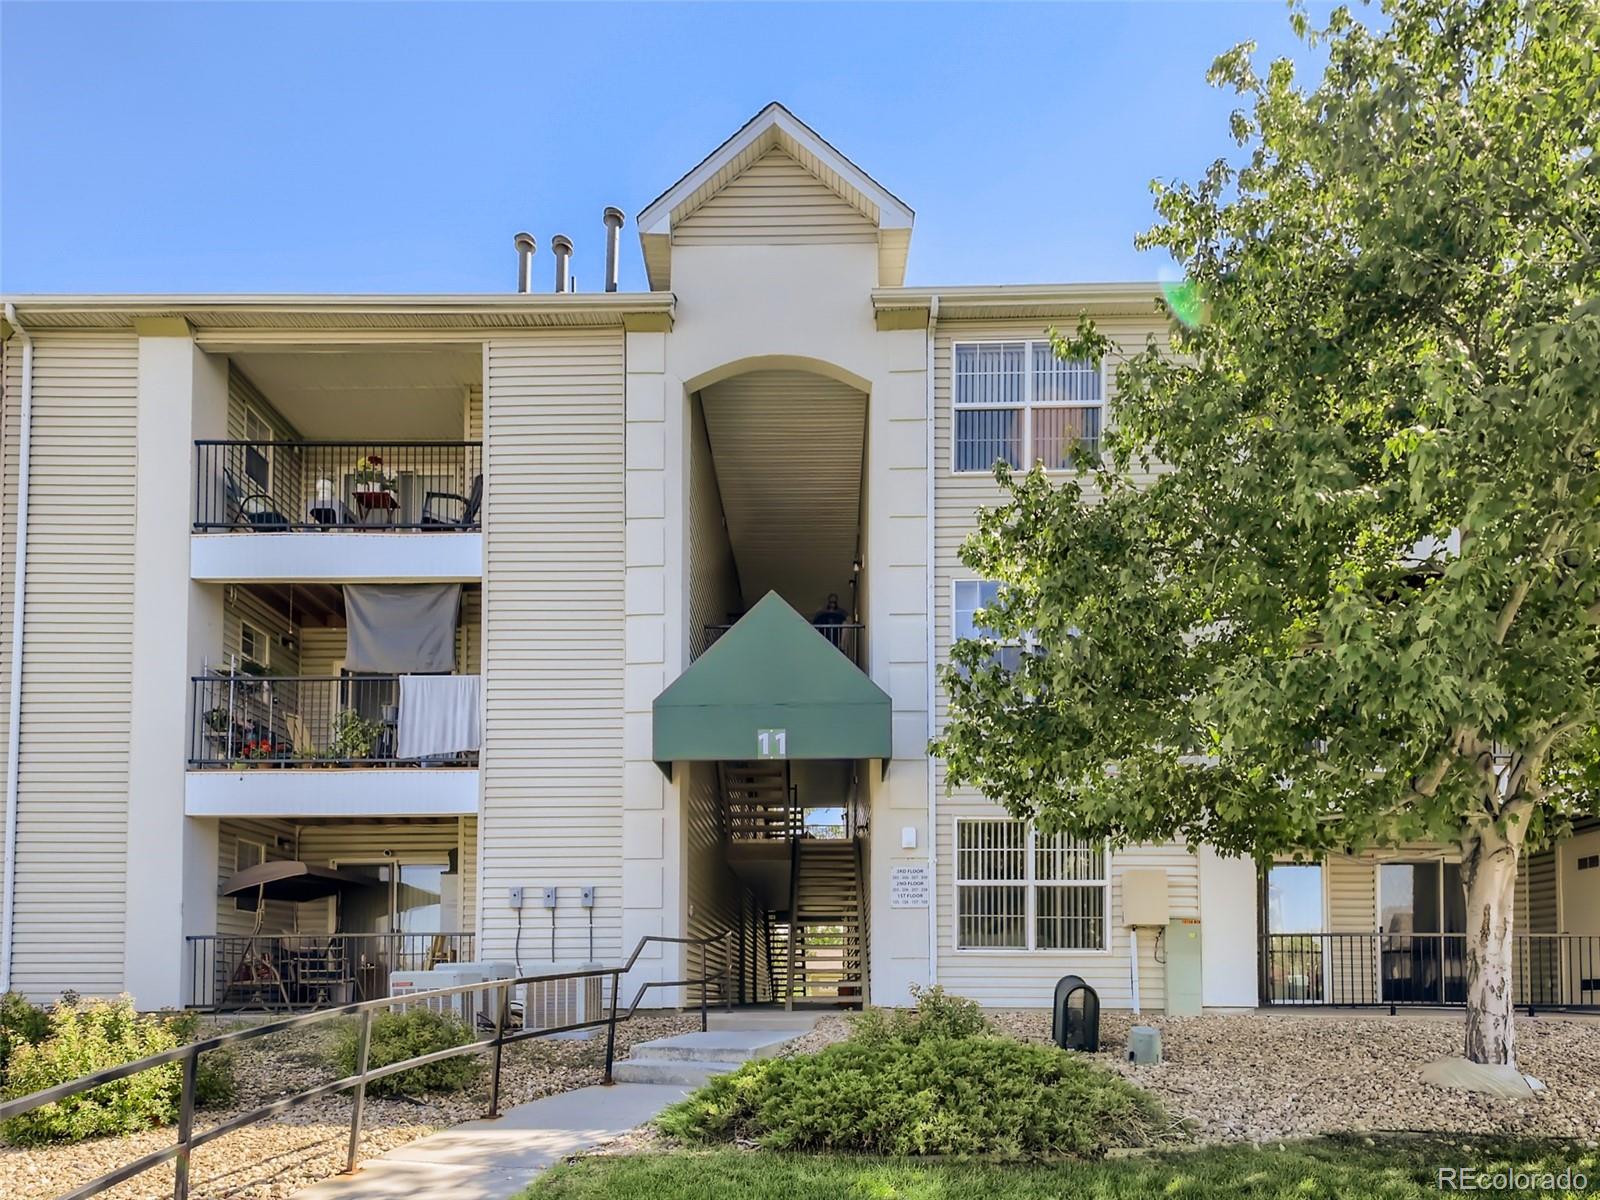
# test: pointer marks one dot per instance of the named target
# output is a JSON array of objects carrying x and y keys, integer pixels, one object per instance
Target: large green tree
[{"x": 1334, "y": 582}]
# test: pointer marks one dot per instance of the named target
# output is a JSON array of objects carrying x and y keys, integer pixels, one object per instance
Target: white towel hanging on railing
[{"x": 439, "y": 714}]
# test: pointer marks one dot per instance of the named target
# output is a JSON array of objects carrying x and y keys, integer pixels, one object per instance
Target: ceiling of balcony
[
  {"x": 787, "y": 449},
  {"x": 382, "y": 394}
]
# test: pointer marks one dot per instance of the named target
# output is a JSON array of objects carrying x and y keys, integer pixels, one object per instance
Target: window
[
  {"x": 970, "y": 595},
  {"x": 258, "y": 454},
  {"x": 253, "y": 644},
  {"x": 1018, "y": 889},
  {"x": 1017, "y": 402}
]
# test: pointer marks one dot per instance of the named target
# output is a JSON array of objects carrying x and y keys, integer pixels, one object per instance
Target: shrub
[
  {"x": 82, "y": 1039},
  {"x": 397, "y": 1036},
  {"x": 938, "y": 1013},
  {"x": 21, "y": 1024},
  {"x": 929, "y": 1081}
]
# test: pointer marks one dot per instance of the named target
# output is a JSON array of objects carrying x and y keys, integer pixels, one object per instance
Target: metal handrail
[{"x": 189, "y": 1056}]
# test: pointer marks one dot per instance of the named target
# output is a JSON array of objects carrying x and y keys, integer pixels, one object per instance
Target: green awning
[{"x": 771, "y": 687}]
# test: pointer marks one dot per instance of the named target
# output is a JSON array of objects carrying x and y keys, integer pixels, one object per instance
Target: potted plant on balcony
[
  {"x": 369, "y": 475},
  {"x": 354, "y": 736}
]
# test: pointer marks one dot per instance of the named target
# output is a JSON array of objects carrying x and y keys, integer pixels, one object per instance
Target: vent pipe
[
  {"x": 525, "y": 247},
  {"x": 613, "y": 220},
  {"x": 561, "y": 245}
]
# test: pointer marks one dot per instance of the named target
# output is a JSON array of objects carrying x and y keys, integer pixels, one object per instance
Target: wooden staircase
[
  {"x": 756, "y": 796},
  {"x": 826, "y": 934}
]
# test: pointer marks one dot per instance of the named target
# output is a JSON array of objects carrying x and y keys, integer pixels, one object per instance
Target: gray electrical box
[
  {"x": 586, "y": 898},
  {"x": 1184, "y": 998},
  {"x": 516, "y": 897},
  {"x": 549, "y": 897}
]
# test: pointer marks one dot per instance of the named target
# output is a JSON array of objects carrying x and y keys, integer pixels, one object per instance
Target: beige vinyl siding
[
  {"x": 1021, "y": 977},
  {"x": 717, "y": 901},
  {"x": 280, "y": 915},
  {"x": 775, "y": 201},
  {"x": 241, "y": 606},
  {"x": 244, "y": 396},
  {"x": 474, "y": 414},
  {"x": 553, "y": 632},
  {"x": 77, "y": 688},
  {"x": 713, "y": 576},
  {"x": 321, "y": 649}
]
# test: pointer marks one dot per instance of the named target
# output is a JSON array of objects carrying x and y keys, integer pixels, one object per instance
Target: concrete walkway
[{"x": 491, "y": 1160}]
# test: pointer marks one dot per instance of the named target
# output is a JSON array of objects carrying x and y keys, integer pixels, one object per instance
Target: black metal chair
[
  {"x": 253, "y": 509},
  {"x": 470, "y": 504}
]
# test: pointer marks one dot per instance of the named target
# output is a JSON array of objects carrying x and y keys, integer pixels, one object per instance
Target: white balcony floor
[{"x": 332, "y": 557}]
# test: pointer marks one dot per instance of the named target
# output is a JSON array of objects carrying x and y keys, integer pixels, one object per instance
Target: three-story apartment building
[{"x": 346, "y": 634}]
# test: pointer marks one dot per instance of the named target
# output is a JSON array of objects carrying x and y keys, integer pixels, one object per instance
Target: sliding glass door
[{"x": 1422, "y": 915}]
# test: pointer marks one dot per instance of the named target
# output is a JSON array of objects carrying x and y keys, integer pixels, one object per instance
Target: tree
[{"x": 1333, "y": 582}]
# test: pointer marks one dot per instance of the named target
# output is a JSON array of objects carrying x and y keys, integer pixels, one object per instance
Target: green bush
[
  {"x": 929, "y": 1081},
  {"x": 82, "y": 1039},
  {"x": 21, "y": 1024},
  {"x": 938, "y": 1014},
  {"x": 397, "y": 1036}
]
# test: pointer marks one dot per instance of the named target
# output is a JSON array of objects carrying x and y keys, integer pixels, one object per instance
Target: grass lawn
[{"x": 1339, "y": 1169}]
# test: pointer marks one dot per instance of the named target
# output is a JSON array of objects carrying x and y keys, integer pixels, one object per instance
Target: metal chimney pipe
[
  {"x": 561, "y": 244},
  {"x": 613, "y": 219},
  {"x": 525, "y": 247}
]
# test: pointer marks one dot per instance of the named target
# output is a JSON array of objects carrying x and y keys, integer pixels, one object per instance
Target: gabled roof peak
[{"x": 775, "y": 128}]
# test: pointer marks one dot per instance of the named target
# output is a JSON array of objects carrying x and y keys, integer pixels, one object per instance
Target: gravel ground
[
  {"x": 278, "y": 1157},
  {"x": 1259, "y": 1078}
]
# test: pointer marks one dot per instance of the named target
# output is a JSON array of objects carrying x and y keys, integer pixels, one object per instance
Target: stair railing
[{"x": 497, "y": 992}]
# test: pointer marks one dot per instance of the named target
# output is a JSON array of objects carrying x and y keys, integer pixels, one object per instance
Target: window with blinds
[
  {"x": 1016, "y": 402},
  {"x": 1018, "y": 889},
  {"x": 969, "y": 597}
]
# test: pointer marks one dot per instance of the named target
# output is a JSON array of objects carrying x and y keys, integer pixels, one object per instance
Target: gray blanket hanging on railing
[{"x": 401, "y": 628}]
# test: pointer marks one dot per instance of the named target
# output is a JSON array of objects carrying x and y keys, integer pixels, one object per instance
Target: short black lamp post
[{"x": 1075, "y": 1019}]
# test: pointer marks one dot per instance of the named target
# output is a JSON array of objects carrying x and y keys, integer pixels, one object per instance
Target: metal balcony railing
[
  {"x": 1409, "y": 970},
  {"x": 241, "y": 720},
  {"x": 292, "y": 971},
  {"x": 846, "y": 637},
  {"x": 433, "y": 487}
]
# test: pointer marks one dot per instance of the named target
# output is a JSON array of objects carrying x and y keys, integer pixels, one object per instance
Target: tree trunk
[{"x": 1489, "y": 874}]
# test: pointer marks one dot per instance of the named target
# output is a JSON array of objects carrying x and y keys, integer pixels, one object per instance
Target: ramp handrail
[{"x": 189, "y": 1056}]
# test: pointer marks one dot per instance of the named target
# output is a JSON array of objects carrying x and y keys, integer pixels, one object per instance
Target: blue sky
[{"x": 397, "y": 147}]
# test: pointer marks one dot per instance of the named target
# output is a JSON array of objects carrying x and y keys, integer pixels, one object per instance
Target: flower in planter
[
  {"x": 369, "y": 471},
  {"x": 259, "y": 748}
]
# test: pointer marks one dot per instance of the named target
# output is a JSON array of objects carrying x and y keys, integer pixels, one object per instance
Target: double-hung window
[
  {"x": 1016, "y": 402},
  {"x": 970, "y": 596},
  {"x": 1019, "y": 889}
]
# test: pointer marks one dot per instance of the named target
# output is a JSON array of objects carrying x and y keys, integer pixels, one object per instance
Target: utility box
[
  {"x": 1144, "y": 898},
  {"x": 1144, "y": 1044},
  {"x": 1075, "y": 1018},
  {"x": 1184, "y": 998}
]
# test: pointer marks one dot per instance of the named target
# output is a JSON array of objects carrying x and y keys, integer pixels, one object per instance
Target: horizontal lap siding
[
  {"x": 553, "y": 636},
  {"x": 77, "y": 685},
  {"x": 1022, "y": 978},
  {"x": 775, "y": 201},
  {"x": 280, "y": 914}
]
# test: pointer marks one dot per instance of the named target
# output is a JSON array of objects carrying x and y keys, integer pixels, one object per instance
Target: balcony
[
  {"x": 331, "y": 745},
  {"x": 321, "y": 510},
  {"x": 291, "y": 972},
  {"x": 845, "y": 638}
]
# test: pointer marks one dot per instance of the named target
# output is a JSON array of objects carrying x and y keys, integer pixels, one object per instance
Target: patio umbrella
[{"x": 293, "y": 881}]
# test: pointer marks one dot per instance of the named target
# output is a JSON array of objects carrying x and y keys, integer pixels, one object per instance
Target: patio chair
[
  {"x": 470, "y": 504},
  {"x": 254, "y": 509}
]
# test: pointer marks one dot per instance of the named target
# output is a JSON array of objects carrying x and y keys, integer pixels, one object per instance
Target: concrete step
[
  {"x": 714, "y": 1046},
  {"x": 666, "y": 1070}
]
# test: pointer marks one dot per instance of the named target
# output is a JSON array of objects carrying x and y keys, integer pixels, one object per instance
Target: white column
[
  {"x": 1229, "y": 937},
  {"x": 172, "y": 867},
  {"x": 896, "y": 569},
  {"x": 654, "y": 882}
]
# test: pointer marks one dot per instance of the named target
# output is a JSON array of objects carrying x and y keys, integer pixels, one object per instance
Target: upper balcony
[{"x": 312, "y": 511}]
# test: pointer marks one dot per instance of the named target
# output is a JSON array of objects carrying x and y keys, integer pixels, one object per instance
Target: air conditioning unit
[
  {"x": 557, "y": 1003},
  {"x": 472, "y": 1007}
]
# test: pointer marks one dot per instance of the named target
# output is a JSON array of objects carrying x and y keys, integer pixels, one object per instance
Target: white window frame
[
  {"x": 1030, "y": 883},
  {"x": 240, "y": 842},
  {"x": 1023, "y": 644},
  {"x": 1029, "y": 404},
  {"x": 262, "y": 639},
  {"x": 253, "y": 416}
]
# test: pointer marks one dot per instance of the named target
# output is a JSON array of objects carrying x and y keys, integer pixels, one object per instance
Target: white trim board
[
  {"x": 314, "y": 557},
  {"x": 333, "y": 792}
]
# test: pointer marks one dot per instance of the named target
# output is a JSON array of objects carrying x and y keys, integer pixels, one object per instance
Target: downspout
[
  {"x": 933, "y": 815},
  {"x": 18, "y": 604}
]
